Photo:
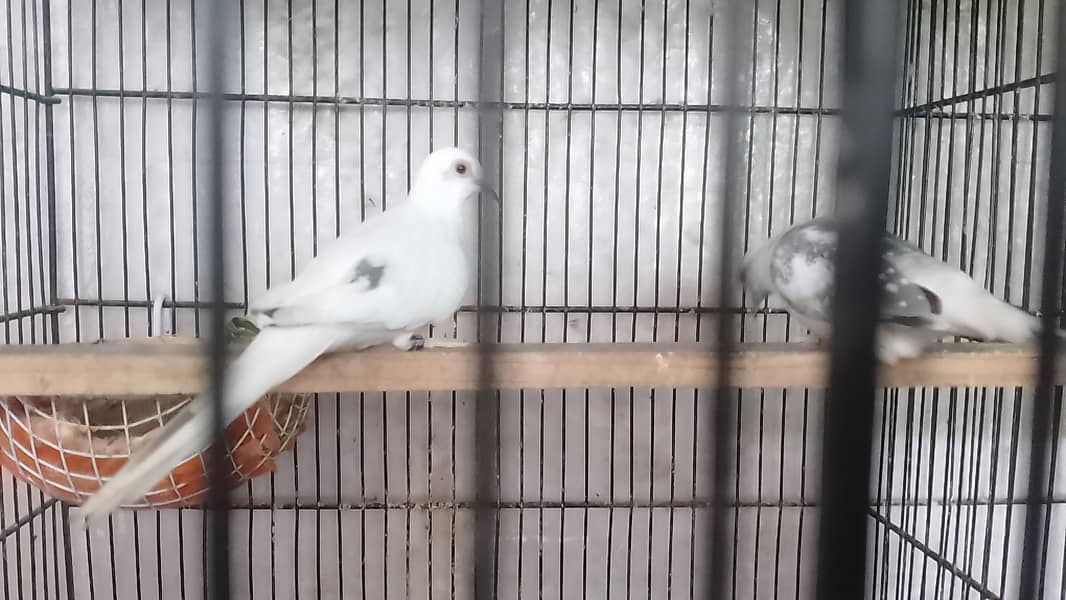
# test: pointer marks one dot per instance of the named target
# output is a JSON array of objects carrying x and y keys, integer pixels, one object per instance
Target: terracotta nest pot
[{"x": 68, "y": 447}]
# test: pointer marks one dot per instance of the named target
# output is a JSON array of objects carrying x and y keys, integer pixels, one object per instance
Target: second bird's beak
[{"x": 487, "y": 189}]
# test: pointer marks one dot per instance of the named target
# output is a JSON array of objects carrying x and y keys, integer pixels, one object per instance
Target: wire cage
[
  {"x": 637, "y": 147},
  {"x": 68, "y": 449}
]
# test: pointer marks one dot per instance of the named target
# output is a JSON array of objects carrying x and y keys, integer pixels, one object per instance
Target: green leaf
[{"x": 240, "y": 329}]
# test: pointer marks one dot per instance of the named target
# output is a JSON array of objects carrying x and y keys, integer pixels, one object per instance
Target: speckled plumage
[{"x": 923, "y": 299}]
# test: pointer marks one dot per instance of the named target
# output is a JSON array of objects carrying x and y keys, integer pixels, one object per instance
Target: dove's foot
[
  {"x": 892, "y": 348},
  {"x": 811, "y": 338},
  {"x": 417, "y": 342},
  {"x": 409, "y": 341}
]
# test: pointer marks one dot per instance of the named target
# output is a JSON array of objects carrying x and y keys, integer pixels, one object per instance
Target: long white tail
[
  {"x": 274, "y": 356},
  {"x": 996, "y": 320},
  {"x": 1005, "y": 322}
]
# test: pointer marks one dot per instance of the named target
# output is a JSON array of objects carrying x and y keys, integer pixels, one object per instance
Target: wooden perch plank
[{"x": 151, "y": 367}]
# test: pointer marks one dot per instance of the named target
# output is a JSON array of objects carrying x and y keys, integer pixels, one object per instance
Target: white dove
[
  {"x": 380, "y": 283},
  {"x": 923, "y": 299}
]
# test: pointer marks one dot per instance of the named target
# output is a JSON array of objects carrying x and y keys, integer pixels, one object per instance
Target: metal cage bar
[
  {"x": 1046, "y": 410},
  {"x": 217, "y": 522},
  {"x": 492, "y": 34},
  {"x": 870, "y": 39}
]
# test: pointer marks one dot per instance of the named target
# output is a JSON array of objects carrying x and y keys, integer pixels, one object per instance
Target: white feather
[
  {"x": 273, "y": 357},
  {"x": 968, "y": 308},
  {"x": 419, "y": 251}
]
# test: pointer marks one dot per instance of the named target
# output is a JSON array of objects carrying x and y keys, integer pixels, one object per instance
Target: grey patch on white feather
[
  {"x": 370, "y": 272},
  {"x": 935, "y": 304},
  {"x": 904, "y": 302},
  {"x": 907, "y": 299}
]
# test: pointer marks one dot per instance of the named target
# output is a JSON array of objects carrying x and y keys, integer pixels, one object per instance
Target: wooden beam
[{"x": 176, "y": 366}]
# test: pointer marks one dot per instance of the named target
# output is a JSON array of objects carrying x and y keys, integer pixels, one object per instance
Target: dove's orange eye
[{"x": 461, "y": 168}]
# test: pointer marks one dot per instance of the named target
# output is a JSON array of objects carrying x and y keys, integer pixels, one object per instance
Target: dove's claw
[
  {"x": 409, "y": 342},
  {"x": 417, "y": 342},
  {"x": 414, "y": 342}
]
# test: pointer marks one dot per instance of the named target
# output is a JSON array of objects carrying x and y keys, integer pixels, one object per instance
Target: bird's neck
[
  {"x": 442, "y": 215},
  {"x": 443, "y": 203}
]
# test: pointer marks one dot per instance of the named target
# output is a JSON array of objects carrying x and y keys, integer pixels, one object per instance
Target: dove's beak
[{"x": 488, "y": 189}]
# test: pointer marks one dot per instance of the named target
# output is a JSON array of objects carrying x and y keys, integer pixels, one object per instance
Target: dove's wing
[
  {"x": 334, "y": 265},
  {"x": 963, "y": 306},
  {"x": 391, "y": 286},
  {"x": 803, "y": 272}
]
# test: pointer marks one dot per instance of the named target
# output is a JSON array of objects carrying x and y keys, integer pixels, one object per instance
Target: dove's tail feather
[
  {"x": 272, "y": 358},
  {"x": 993, "y": 320},
  {"x": 1003, "y": 322}
]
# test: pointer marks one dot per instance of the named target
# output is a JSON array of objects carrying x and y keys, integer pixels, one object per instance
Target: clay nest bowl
[{"x": 68, "y": 447}]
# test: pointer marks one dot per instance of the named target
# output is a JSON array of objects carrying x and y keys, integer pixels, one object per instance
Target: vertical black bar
[
  {"x": 216, "y": 516},
  {"x": 336, "y": 233},
  {"x": 144, "y": 177},
  {"x": 736, "y": 38},
  {"x": 194, "y": 199},
  {"x": 678, "y": 274},
  {"x": 314, "y": 252},
  {"x": 289, "y": 60},
  {"x": 362, "y": 217},
  {"x": 1051, "y": 293},
  {"x": 869, "y": 71},
  {"x": 590, "y": 294},
  {"x": 50, "y": 175},
  {"x": 17, "y": 195},
  {"x": 53, "y": 279},
  {"x": 490, "y": 131}
]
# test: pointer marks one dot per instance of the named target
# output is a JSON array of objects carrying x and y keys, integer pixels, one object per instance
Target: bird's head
[{"x": 448, "y": 177}]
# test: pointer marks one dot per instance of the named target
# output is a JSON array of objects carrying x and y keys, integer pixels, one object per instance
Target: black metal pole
[
  {"x": 736, "y": 30},
  {"x": 869, "y": 76},
  {"x": 50, "y": 173},
  {"x": 217, "y": 544},
  {"x": 1041, "y": 441},
  {"x": 487, "y": 439}
]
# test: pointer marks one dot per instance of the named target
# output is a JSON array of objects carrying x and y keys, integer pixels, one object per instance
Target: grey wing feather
[
  {"x": 364, "y": 295},
  {"x": 904, "y": 302},
  {"x": 803, "y": 270}
]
